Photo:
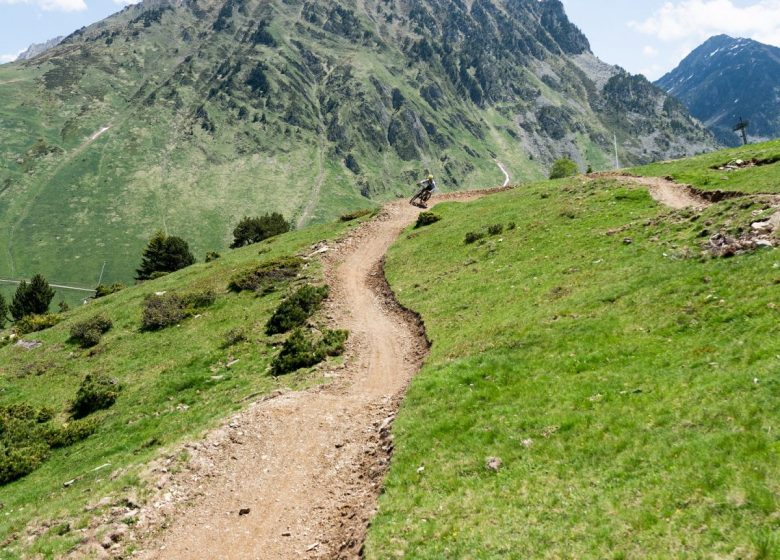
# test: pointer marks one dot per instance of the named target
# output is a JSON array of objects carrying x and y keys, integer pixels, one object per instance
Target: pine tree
[
  {"x": 254, "y": 230},
  {"x": 164, "y": 254},
  {"x": 32, "y": 299}
]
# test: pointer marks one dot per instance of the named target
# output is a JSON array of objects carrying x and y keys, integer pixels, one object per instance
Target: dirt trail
[
  {"x": 665, "y": 191},
  {"x": 507, "y": 178},
  {"x": 308, "y": 465}
]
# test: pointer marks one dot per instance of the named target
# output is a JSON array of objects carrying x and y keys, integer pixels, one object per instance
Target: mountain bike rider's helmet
[{"x": 430, "y": 177}]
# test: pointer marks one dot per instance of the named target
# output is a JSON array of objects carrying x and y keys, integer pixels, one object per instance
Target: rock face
[
  {"x": 726, "y": 79},
  {"x": 39, "y": 48},
  {"x": 226, "y": 108}
]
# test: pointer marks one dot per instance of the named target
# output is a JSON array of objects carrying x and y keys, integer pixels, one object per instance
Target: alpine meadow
[{"x": 374, "y": 279}]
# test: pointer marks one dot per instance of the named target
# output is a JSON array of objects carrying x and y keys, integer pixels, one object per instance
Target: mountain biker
[
  {"x": 424, "y": 194},
  {"x": 429, "y": 183}
]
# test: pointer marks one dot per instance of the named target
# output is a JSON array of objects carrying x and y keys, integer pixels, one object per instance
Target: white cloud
[
  {"x": 649, "y": 51},
  {"x": 696, "y": 20},
  {"x": 52, "y": 5}
]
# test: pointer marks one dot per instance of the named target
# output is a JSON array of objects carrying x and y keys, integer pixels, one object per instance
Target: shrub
[
  {"x": 32, "y": 299},
  {"x": 27, "y": 434},
  {"x": 298, "y": 351},
  {"x": 233, "y": 337},
  {"x": 212, "y": 256},
  {"x": 296, "y": 309},
  {"x": 356, "y": 214},
  {"x": 88, "y": 333},
  {"x": 511, "y": 225},
  {"x": 267, "y": 275},
  {"x": 194, "y": 301},
  {"x": 161, "y": 311},
  {"x": 496, "y": 229},
  {"x": 562, "y": 168},
  {"x": 34, "y": 323},
  {"x": 302, "y": 350},
  {"x": 426, "y": 219},
  {"x": 164, "y": 254},
  {"x": 253, "y": 230},
  {"x": 70, "y": 433},
  {"x": 333, "y": 342},
  {"x": 16, "y": 462},
  {"x": 473, "y": 237},
  {"x": 165, "y": 310},
  {"x": 97, "y": 392},
  {"x": 104, "y": 290}
]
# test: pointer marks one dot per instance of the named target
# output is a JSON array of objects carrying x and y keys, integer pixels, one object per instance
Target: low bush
[
  {"x": 161, "y": 311},
  {"x": 212, "y": 256},
  {"x": 70, "y": 433},
  {"x": 104, "y": 290},
  {"x": 27, "y": 434},
  {"x": 473, "y": 237},
  {"x": 165, "y": 310},
  {"x": 496, "y": 229},
  {"x": 96, "y": 392},
  {"x": 16, "y": 462},
  {"x": 34, "y": 323},
  {"x": 194, "y": 301},
  {"x": 333, "y": 342},
  {"x": 356, "y": 214},
  {"x": 267, "y": 276},
  {"x": 296, "y": 309},
  {"x": 426, "y": 219},
  {"x": 302, "y": 350},
  {"x": 233, "y": 337},
  {"x": 88, "y": 333}
]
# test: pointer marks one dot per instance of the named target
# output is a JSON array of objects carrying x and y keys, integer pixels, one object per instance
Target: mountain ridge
[
  {"x": 726, "y": 79},
  {"x": 217, "y": 109}
]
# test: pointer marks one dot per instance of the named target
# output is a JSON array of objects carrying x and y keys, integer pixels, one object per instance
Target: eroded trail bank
[{"x": 298, "y": 475}]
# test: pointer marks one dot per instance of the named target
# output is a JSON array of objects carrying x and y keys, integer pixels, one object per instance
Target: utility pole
[
  {"x": 617, "y": 159},
  {"x": 742, "y": 127},
  {"x": 102, "y": 270}
]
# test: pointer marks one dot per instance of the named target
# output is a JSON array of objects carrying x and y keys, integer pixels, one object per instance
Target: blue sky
[{"x": 643, "y": 36}]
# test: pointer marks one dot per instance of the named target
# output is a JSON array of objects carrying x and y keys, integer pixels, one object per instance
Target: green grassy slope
[
  {"x": 191, "y": 148},
  {"x": 223, "y": 108},
  {"x": 704, "y": 171},
  {"x": 175, "y": 384},
  {"x": 628, "y": 384}
]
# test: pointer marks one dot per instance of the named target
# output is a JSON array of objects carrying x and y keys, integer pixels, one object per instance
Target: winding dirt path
[
  {"x": 305, "y": 468},
  {"x": 664, "y": 191}
]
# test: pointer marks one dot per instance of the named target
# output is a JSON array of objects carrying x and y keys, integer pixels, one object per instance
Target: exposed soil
[
  {"x": 298, "y": 475},
  {"x": 663, "y": 190}
]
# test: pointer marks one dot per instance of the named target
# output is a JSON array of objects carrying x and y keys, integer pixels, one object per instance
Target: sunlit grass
[{"x": 627, "y": 382}]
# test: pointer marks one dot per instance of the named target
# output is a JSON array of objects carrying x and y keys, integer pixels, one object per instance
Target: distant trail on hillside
[
  {"x": 508, "y": 179},
  {"x": 667, "y": 192},
  {"x": 306, "y": 468},
  {"x": 22, "y": 215}
]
